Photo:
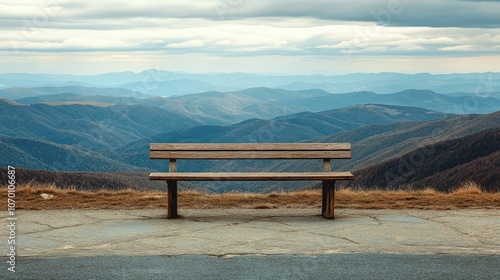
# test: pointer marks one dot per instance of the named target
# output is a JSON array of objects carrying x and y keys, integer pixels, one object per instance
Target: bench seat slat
[
  {"x": 250, "y": 154},
  {"x": 252, "y": 176},
  {"x": 250, "y": 147}
]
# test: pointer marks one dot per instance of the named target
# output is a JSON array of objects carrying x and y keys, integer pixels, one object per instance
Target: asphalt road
[{"x": 332, "y": 266}]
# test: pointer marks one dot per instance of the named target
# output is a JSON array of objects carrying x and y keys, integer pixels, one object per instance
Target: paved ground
[{"x": 378, "y": 242}]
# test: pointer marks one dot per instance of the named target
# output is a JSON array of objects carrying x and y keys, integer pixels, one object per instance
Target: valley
[{"x": 414, "y": 138}]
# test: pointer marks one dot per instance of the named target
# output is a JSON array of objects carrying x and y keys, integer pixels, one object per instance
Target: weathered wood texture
[
  {"x": 251, "y": 151},
  {"x": 250, "y": 147},
  {"x": 251, "y": 176},
  {"x": 250, "y": 154}
]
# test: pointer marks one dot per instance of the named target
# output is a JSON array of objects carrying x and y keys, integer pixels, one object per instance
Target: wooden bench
[{"x": 324, "y": 151}]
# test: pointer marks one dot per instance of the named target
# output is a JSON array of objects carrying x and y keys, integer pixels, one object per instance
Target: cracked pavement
[{"x": 231, "y": 232}]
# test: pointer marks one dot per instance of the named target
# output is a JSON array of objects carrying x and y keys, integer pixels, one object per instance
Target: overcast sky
[{"x": 279, "y": 36}]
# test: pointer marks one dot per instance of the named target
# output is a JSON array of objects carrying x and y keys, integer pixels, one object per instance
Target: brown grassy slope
[
  {"x": 470, "y": 195},
  {"x": 442, "y": 165}
]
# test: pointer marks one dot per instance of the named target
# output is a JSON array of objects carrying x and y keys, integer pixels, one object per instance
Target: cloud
[
  {"x": 431, "y": 13},
  {"x": 458, "y": 48},
  {"x": 186, "y": 45},
  {"x": 250, "y": 29}
]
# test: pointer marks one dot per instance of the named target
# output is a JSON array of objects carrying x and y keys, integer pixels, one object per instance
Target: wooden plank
[
  {"x": 252, "y": 176},
  {"x": 250, "y": 154},
  {"x": 250, "y": 146}
]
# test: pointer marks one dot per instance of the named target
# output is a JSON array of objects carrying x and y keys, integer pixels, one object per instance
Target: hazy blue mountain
[
  {"x": 206, "y": 107},
  {"x": 73, "y": 98},
  {"x": 89, "y": 127},
  {"x": 394, "y": 82},
  {"x": 417, "y": 98},
  {"x": 39, "y": 154},
  {"x": 232, "y": 107},
  {"x": 211, "y": 104},
  {"x": 376, "y": 82},
  {"x": 173, "y": 87},
  {"x": 235, "y": 106},
  {"x": 20, "y": 93},
  {"x": 281, "y": 95},
  {"x": 291, "y": 128},
  {"x": 122, "y": 135},
  {"x": 24, "y": 80},
  {"x": 222, "y": 108}
]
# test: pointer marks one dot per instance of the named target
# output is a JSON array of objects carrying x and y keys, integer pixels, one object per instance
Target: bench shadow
[{"x": 245, "y": 218}]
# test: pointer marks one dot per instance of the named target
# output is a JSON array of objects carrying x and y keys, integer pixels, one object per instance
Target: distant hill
[
  {"x": 223, "y": 108},
  {"x": 282, "y": 129},
  {"x": 39, "y": 154},
  {"x": 166, "y": 82},
  {"x": 89, "y": 127},
  {"x": 452, "y": 147},
  {"x": 467, "y": 104},
  {"x": 172, "y": 87},
  {"x": 115, "y": 135},
  {"x": 17, "y": 93},
  {"x": 122, "y": 134},
  {"x": 442, "y": 165},
  {"x": 376, "y": 143},
  {"x": 62, "y": 98},
  {"x": 290, "y": 128},
  {"x": 371, "y": 145}
]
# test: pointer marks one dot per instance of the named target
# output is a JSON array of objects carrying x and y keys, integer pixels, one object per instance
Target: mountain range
[
  {"x": 223, "y": 108},
  {"x": 165, "y": 83},
  {"x": 442, "y": 165},
  {"x": 371, "y": 145},
  {"x": 400, "y": 136},
  {"x": 90, "y": 127}
]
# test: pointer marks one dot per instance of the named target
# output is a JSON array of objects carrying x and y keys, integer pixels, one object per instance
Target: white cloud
[
  {"x": 187, "y": 44},
  {"x": 458, "y": 48},
  {"x": 245, "y": 30}
]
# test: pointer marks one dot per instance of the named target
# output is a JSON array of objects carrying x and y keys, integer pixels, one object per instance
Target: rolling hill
[
  {"x": 218, "y": 108},
  {"x": 89, "y": 127},
  {"x": 116, "y": 137},
  {"x": 39, "y": 154},
  {"x": 67, "y": 98},
  {"x": 372, "y": 144},
  {"x": 442, "y": 165},
  {"x": 224, "y": 108},
  {"x": 377, "y": 143},
  {"x": 281, "y": 129},
  {"x": 122, "y": 134},
  {"x": 465, "y": 104},
  {"x": 17, "y": 93},
  {"x": 171, "y": 87}
]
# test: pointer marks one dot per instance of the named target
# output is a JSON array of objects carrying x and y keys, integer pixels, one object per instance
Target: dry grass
[{"x": 35, "y": 197}]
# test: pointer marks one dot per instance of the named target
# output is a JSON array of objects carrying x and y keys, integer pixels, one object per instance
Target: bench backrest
[{"x": 251, "y": 151}]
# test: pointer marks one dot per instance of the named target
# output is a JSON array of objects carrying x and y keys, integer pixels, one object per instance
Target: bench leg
[
  {"x": 172, "y": 200},
  {"x": 328, "y": 198},
  {"x": 323, "y": 197}
]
